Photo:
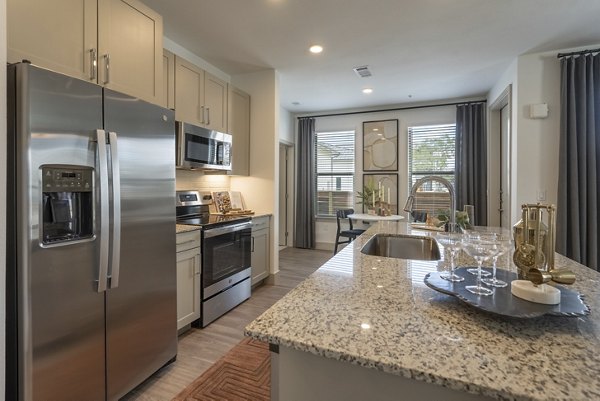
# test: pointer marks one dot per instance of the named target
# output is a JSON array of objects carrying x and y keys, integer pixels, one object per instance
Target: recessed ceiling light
[
  {"x": 316, "y": 49},
  {"x": 375, "y": 129},
  {"x": 367, "y": 90},
  {"x": 365, "y": 326}
]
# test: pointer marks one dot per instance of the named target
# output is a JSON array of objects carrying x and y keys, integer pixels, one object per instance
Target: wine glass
[
  {"x": 453, "y": 242},
  {"x": 502, "y": 244},
  {"x": 480, "y": 250},
  {"x": 471, "y": 234}
]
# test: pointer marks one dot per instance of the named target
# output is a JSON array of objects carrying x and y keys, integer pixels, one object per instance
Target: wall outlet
[{"x": 541, "y": 195}]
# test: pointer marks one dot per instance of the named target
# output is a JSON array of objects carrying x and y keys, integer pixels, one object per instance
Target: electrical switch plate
[{"x": 541, "y": 195}]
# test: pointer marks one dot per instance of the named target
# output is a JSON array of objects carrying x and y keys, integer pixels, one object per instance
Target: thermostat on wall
[{"x": 538, "y": 110}]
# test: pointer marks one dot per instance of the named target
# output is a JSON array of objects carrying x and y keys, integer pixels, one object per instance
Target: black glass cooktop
[{"x": 211, "y": 220}]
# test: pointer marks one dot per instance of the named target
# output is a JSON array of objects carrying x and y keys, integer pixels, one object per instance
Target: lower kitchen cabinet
[
  {"x": 260, "y": 248},
  {"x": 188, "y": 278}
]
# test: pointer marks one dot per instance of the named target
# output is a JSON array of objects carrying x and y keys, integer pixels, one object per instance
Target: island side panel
[{"x": 308, "y": 377}]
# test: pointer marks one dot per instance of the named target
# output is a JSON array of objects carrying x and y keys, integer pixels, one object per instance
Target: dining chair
[{"x": 350, "y": 234}]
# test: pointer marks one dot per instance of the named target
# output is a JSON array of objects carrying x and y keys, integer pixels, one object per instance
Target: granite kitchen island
[{"x": 366, "y": 327}]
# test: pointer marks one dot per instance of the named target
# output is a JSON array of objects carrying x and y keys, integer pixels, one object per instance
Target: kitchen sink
[{"x": 402, "y": 247}]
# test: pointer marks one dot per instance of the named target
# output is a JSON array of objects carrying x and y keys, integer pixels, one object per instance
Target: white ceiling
[{"x": 426, "y": 49}]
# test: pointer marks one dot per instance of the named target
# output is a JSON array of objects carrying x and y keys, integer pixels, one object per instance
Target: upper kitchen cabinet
[
  {"x": 200, "y": 98},
  {"x": 168, "y": 80},
  {"x": 189, "y": 87},
  {"x": 239, "y": 128},
  {"x": 60, "y": 35},
  {"x": 130, "y": 48},
  {"x": 116, "y": 43}
]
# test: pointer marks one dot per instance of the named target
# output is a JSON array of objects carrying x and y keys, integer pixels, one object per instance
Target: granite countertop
[
  {"x": 261, "y": 215},
  {"x": 183, "y": 228},
  {"x": 377, "y": 313}
]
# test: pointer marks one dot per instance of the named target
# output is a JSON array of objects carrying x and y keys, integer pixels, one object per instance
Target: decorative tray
[{"x": 502, "y": 302}]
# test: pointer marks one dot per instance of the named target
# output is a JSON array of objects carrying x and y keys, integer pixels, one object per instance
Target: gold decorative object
[
  {"x": 534, "y": 241},
  {"x": 561, "y": 276}
]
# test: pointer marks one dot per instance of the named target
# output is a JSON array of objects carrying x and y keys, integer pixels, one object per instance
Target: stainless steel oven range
[{"x": 225, "y": 254}]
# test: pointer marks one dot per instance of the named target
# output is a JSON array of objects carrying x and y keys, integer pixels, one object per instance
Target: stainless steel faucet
[{"x": 408, "y": 207}]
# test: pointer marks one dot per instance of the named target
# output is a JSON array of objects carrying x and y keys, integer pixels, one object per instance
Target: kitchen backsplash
[{"x": 186, "y": 179}]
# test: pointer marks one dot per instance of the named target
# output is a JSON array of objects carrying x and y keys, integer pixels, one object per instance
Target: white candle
[
  {"x": 373, "y": 198},
  {"x": 389, "y": 196}
]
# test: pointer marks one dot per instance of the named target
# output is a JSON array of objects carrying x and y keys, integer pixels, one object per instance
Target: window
[
  {"x": 431, "y": 151},
  {"x": 334, "y": 171}
]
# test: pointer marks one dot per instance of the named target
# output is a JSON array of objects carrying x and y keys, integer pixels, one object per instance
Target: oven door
[{"x": 225, "y": 255}]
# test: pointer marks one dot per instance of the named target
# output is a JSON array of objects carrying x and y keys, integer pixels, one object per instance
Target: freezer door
[
  {"x": 141, "y": 302},
  {"x": 59, "y": 334}
]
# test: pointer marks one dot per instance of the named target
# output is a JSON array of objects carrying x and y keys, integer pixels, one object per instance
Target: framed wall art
[
  {"x": 378, "y": 188},
  {"x": 380, "y": 145}
]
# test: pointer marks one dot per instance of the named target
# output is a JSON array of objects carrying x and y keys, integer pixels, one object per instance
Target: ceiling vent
[{"x": 363, "y": 71}]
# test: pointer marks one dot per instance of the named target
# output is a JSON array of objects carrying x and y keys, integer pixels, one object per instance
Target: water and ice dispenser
[{"x": 67, "y": 204}]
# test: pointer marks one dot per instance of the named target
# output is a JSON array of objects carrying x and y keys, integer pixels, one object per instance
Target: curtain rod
[
  {"x": 561, "y": 55},
  {"x": 393, "y": 109}
]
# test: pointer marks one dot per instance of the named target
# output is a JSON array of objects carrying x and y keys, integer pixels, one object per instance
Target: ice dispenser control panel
[
  {"x": 71, "y": 179},
  {"x": 67, "y": 204}
]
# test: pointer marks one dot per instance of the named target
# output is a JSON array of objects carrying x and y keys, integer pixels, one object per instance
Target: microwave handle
[{"x": 219, "y": 154}]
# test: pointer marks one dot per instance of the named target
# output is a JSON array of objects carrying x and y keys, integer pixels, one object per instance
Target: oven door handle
[{"x": 213, "y": 232}]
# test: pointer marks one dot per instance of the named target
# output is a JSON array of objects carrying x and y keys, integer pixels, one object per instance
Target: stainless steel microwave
[{"x": 201, "y": 148}]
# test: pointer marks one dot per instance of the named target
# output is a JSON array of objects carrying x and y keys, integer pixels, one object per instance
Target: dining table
[{"x": 374, "y": 217}]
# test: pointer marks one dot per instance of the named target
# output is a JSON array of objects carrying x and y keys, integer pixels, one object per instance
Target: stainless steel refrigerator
[{"x": 91, "y": 281}]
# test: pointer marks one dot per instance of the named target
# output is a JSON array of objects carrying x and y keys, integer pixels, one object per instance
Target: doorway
[
  {"x": 285, "y": 198},
  {"x": 500, "y": 205}
]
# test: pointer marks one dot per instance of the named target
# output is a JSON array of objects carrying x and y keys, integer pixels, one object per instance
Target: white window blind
[
  {"x": 431, "y": 151},
  {"x": 334, "y": 171}
]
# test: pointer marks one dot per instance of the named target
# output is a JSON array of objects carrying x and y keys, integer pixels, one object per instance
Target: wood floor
[{"x": 200, "y": 348}]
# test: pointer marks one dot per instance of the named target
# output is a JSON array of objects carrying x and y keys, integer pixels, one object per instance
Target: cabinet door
[
  {"x": 260, "y": 255},
  {"x": 59, "y": 35},
  {"x": 130, "y": 48},
  {"x": 188, "y": 287},
  {"x": 215, "y": 103},
  {"x": 168, "y": 80},
  {"x": 189, "y": 85},
  {"x": 239, "y": 127}
]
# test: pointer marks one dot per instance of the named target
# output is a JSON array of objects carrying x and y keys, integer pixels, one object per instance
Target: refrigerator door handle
[
  {"x": 102, "y": 167},
  {"x": 116, "y": 199}
]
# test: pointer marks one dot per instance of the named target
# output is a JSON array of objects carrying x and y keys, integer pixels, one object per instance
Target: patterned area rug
[{"x": 243, "y": 374}]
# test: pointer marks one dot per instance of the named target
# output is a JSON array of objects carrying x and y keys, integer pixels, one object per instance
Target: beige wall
[
  {"x": 537, "y": 139},
  {"x": 325, "y": 228},
  {"x": 286, "y": 126},
  {"x": 261, "y": 189},
  {"x": 2, "y": 185},
  {"x": 535, "y": 78}
]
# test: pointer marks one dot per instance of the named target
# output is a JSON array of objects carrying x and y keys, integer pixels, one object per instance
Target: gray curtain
[
  {"x": 471, "y": 159},
  {"x": 305, "y": 209},
  {"x": 579, "y": 160}
]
